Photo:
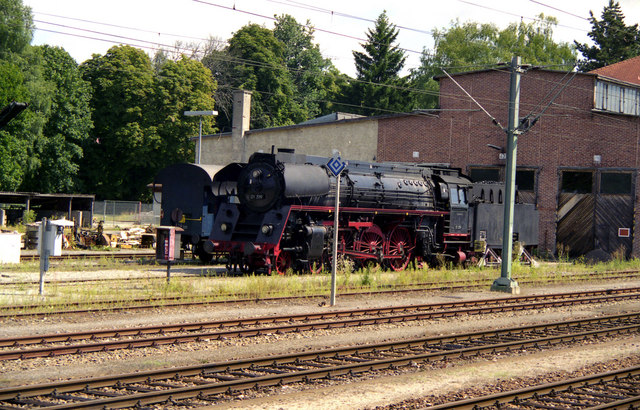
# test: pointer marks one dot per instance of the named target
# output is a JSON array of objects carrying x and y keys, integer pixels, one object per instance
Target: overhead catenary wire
[
  {"x": 324, "y": 101},
  {"x": 493, "y": 119},
  {"x": 156, "y": 47},
  {"x": 419, "y": 112}
]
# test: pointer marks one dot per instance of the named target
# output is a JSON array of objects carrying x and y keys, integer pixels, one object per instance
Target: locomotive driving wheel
[
  {"x": 345, "y": 240},
  {"x": 283, "y": 262},
  {"x": 316, "y": 265},
  {"x": 371, "y": 241},
  {"x": 399, "y": 246}
]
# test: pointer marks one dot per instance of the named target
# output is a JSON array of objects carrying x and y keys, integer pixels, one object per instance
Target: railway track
[
  {"x": 30, "y": 257},
  {"x": 618, "y": 389},
  {"x": 207, "y": 384},
  {"x": 127, "y": 338},
  {"x": 454, "y": 284},
  {"x": 64, "y": 308}
]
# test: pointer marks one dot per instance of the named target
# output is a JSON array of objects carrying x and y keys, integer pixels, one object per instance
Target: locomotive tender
[
  {"x": 275, "y": 213},
  {"x": 187, "y": 202}
]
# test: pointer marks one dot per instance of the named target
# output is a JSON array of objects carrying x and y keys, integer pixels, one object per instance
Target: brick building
[{"x": 578, "y": 163}]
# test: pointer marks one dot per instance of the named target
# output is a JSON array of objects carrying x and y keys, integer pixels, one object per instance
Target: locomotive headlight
[
  {"x": 267, "y": 229},
  {"x": 225, "y": 227}
]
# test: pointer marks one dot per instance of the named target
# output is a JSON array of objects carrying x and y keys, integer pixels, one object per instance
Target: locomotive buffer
[{"x": 336, "y": 165}]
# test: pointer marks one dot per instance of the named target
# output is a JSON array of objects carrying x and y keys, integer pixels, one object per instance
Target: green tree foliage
[
  {"x": 15, "y": 34},
  {"x": 470, "y": 46},
  {"x": 254, "y": 60},
  {"x": 614, "y": 40},
  {"x": 119, "y": 155},
  {"x": 379, "y": 87},
  {"x": 67, "y": 122},
  {"x": 314, "y": 76},
  {"x": 138, "y": 117},
  {"x": 41, "y": 148},
  {"x": 183, "y": 85},
  {"x": 13, "y": 148},
  {"x": 16, "y": 27}
]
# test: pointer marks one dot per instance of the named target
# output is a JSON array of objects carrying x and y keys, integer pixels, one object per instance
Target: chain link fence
[{"x": 125, "y": 213}]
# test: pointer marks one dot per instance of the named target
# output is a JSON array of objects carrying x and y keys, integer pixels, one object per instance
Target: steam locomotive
[{"x": 276, "y": 213}]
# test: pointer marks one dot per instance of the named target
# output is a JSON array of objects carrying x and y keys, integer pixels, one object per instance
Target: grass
[{"x": 207, "y": 287}]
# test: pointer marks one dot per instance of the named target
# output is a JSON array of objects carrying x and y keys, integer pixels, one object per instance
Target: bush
[{"x": 28, "y": 217}]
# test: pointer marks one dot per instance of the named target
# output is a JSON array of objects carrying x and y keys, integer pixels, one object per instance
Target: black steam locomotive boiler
[{"x": 275, "y": 213}]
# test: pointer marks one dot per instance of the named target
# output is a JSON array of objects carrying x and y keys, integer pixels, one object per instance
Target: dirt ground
[{"x": 367, "y": 393}]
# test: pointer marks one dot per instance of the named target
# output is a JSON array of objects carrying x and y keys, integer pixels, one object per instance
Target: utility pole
[{"x": 504, "y": 283}]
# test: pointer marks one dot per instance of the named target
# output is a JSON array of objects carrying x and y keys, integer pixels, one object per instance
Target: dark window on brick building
[
  {"x": 615, "y": 183},
  {"x": 578, "y": 182},
  {"x": 484, "y": 174},
  {"x": 526, "y": 180}
]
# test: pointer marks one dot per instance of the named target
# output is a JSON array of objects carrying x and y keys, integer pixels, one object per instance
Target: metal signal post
[{"x": 336, "y": 166}]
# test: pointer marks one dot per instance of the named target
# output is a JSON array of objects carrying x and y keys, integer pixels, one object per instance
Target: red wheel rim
[
  {"x": 316, "y": 266},
  {"x": 283, "y": 262},
  {"x": 399, "y": 245},
  {"x": 345, "y": 240},
  {"x": 370, "y": 240}
]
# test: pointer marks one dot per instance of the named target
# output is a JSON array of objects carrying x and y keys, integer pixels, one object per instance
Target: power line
[
  {"x": 560, "y": 10},
  {"x": 157, "y": 46},
  {"x": 235, "y": 9},
  {"x": 120, "y": 26},
  {"x": 513, "y": 14},
  {"x": 340, "y": 14}
]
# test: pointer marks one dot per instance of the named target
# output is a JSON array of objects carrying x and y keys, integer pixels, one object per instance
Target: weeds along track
[
  {"x": 213, "y": 383},
  {"x": 447, "y": 285},
  {"x": 618, "y": 389},
  {"x": 105, "y": 305},
  {"x": 58, "y": 344}
]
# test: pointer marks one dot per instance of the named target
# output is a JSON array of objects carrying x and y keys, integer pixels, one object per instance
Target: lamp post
[{"x": 200, "y": 114}]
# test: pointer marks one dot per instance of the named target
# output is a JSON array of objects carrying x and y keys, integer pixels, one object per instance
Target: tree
[
  {"x": 16, "y": 27},
  {"x": 219, "y": 62},
  {"x": 139, "y": 123},
  {"x": 614, "y": 41},
  {"x": 183, "y": 85},
  {"x": 13, "y": 148},
  {"x": 469, "y": 46},
  {"x": 20, "y": 80},
  {"x": 57, "y": 152},
  {"x": 379, "y": 86},
  {"x": 119, "y": 158},
  {"x": 313, "y": 76},
  {"x": 259, "y": 66}
]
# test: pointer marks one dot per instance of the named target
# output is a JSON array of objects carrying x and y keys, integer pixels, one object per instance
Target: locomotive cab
[{"x": 452, "y": 193}]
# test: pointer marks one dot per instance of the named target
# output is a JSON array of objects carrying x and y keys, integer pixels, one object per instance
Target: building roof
[
  {"x": 326, "y": 119},
  {"x": 627, "y": 70}
]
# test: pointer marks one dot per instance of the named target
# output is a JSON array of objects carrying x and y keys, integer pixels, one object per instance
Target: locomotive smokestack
[{"x": 240, "y": 124}]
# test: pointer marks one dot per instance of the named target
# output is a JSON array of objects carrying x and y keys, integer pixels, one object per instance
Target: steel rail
[
  {"x": 87, "y": 255},
  {"x": 625, "y": 274},
  {"x": 171, "y": 301},
  {"x": 422, "y": 312},
  {"x": 212, "y": 302},
  {"x": 555, "y": 390},
  {"x": 274, "y": 370}
]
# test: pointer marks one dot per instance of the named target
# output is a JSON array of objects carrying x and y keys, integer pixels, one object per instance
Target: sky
[{"x": 87, "y": 27}]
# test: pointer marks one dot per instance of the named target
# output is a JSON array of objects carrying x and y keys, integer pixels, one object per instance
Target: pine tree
[
  {"x": 380, "y": 87},
  {"x": 614, "y": 41}
]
